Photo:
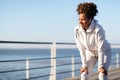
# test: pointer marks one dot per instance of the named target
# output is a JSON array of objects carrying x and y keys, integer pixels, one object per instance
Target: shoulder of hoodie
[{"x": 98, "y": 27}]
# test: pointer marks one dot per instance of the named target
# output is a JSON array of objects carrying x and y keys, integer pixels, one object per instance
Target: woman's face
[{"x": 84, "y": 21}]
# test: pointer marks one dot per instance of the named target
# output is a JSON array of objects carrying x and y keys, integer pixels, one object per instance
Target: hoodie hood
[{"x": 90, "y": 28}]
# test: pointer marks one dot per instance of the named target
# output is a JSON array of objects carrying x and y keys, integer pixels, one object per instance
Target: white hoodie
[{"x": 91, "y": 42}]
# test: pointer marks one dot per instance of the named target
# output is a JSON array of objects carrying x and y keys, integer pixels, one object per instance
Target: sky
[{"x": 53, "y": 20}]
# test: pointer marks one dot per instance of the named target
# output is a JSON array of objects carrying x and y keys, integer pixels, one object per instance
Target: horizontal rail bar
[
  {"x": 40, "y": 67},
  {"x": 13, "y": 60},
  {"x": 25, "y": 42},
  {"x": 25, "y": 69},
  {"x": 34, "y": 59},
  {"x": 24, "y": 60},
  {"x": 12, "y": 71},
  {"x": 69, "y": 64},
  {"x": 65, "y": 43}
]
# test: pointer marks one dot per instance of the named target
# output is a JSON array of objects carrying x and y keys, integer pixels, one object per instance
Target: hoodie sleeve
[
  {"x": 101, "y": 48},
  {"x": 80, "y": 48}
]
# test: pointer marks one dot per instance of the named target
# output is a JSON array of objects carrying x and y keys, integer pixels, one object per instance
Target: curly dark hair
[{"x": 89, "y": 8}]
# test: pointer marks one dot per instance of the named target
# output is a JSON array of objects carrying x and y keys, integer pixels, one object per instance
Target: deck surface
[{"x": 113, "y": 74}]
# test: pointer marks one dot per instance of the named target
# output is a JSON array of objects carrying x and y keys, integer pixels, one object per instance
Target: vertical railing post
[
  {"x": 27, "y": 69},
  {"x": 53, "y": 62},
  {"x": 117, "y": 59},
  {"x": 73, "y": 67}
]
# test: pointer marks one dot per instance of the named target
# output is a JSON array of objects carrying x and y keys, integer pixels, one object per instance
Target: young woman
[{"x": 91, "y": 42}]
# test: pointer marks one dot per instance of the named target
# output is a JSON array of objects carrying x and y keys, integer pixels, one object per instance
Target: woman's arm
[
  {"x": 101, "y": 48},
  {"x": 81, "y": 50}
]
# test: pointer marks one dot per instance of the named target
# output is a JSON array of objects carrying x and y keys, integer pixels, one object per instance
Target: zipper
[{"x": 86, "y": 40}]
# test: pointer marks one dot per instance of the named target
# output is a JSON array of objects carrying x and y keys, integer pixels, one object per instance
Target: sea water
[{"x": 38, "y": 74}]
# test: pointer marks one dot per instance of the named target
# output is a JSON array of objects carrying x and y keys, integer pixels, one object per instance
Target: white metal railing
[
  {"x": 27, "y": 69},
  {"x": 53, "y": 62},
  {"x": 117, "y": 60},
  {"x": 53, "y": 73}
]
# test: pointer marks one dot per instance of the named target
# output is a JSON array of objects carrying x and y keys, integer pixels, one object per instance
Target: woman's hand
[
  {"x": 83, "y": 69},
  {"x": 102, "y": 70}
]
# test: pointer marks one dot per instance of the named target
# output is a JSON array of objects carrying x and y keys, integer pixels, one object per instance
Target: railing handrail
[
  {"x": 28, "y": 42},
  {"x": 25, "y": 42},
  {"x": 32, "y": 42}
]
